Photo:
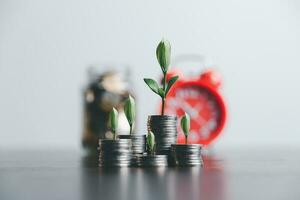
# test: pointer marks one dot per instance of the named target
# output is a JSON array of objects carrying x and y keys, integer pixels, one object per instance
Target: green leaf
[
  {"x": 113, "y": 120},
  {"x": 150, "y": 142},
  {"x": 171, "y": 83},
  {"x": 129, "y": 110},
  {"x": 163, "y": 54},
  {"x": 161, "y": 92},
  {"x": 185, "y": 124},
  {"x": 152, "y": 84}
]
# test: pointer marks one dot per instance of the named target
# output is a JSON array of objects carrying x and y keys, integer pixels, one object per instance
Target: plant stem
[
  {"x": 186, "y": 141},
  {"x": 114, "y": 133},
  {"x": 130, "y": 132},
  {"x": 164, "y": 98},
  {"x": 163, "y": 106}
]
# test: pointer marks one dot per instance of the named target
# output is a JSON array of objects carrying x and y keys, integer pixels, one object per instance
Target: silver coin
[
  {"x": 186, "y": 154},
  {"x": 160, "y": 125},
  {"x": 103, "y": 165},
  {"x": 114, "y": 161},
  {"x": 106, "y": 141},
  {"x": 115, "y": 151},
  {"x": 166, "y": 131},
  {"x": 185, "y": 157},
  {"x": 190, "y": 164},
  {"x": 186, "y": 146},
  {"x": 115, "y": 146},
  {"x": 163, "y": 121},
  {"x": 138, "y": 142},
  {"x": 163, "y": 127},
  {"x": 124, "y": 155},
  {"x": 114, "y": 158},
  {"x": 162, "y": 117},
  {"x": 116, "y": 143},
  {"x": 133, "y": 137},
  {"x": 152, "y": 161},
  {"x": 188, "y": 159}
]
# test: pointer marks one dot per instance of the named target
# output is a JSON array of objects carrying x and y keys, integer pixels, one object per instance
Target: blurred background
[{"x": 47, "y": 47}]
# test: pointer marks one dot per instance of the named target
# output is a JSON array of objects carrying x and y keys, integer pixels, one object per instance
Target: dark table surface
[{"x": 264, "y": 173}]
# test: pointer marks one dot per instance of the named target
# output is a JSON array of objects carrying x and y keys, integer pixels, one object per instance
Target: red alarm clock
[{"x": 199, "y": 97}]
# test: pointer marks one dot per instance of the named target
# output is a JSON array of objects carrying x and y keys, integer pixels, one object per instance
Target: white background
[{"x": 46, "y": 47}]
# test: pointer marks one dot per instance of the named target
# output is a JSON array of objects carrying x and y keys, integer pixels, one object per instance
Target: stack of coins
[
  {"x": 115, "y": 153},
  {"x": 138, "y": 143},
  {"x": 152, "y": 161},
  {"x": 165, "y": 130},
  {"x": 187, "y": 154}
]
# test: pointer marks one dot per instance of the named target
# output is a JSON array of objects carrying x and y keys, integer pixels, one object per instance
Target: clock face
[{"x": 204, "y": 110}]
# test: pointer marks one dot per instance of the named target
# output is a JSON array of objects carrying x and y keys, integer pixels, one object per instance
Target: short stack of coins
[
  {"x": 138, "y": 143},
  {"x": 187, "y": 154},
  {"x": 164, "y": 128},
  {"x": 115, "y": 153},
  {"x": 152, "y": 161}
]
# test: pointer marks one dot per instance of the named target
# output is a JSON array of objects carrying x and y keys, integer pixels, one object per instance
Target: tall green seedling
[{"x": 163, "y": 54}]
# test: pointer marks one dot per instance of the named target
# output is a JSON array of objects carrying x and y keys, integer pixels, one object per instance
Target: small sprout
[
  {"x": 150, "y": 143},
  {"x": 113, "y": 121},
  {"x": 163, "y": 54},
  {"x": 185, "y": 126},
  {"x": 129, "y": 109}
]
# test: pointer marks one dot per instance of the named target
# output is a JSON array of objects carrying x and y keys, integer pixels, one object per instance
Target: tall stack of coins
[
  {"x": 164, "y": 128},
  {"x": 115, "y": 153},
  {"x": 138, "y": 143},
  {"x": 152, "y": 161},
  {"x": 187, "y": 154}
]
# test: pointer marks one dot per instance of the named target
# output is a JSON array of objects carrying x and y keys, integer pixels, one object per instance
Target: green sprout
[
  {"x": 129, "y": 109},
  {"x": 150, "y": 143},
  {"x": 163, "y": 53},
  {"x": 185, "y": 126},
  {"x": 113, "y": 121}
]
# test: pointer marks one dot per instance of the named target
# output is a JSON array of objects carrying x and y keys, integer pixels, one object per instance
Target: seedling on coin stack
[
  {"x": 130, "y": 112},
  {"x": 151, "y": 159},
  {"x": 138, "y": 141},
  {"x": 115, "y": 152},
  {"x": 186, "y": 154},
  {"x": 185, "y": 126},
  {"x": 163, "y": 126},
  {"x": 163, "y": 54}
]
